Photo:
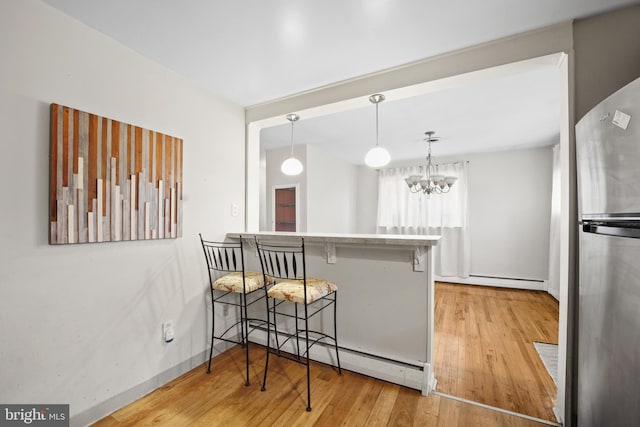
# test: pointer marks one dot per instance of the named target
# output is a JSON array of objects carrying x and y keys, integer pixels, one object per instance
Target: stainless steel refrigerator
[{"x": 608, "y": 163}]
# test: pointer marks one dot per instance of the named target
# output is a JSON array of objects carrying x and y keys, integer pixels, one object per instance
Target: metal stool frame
[
  {"x": 282, "y": 262},
  {"x": 228, "y": 257}
]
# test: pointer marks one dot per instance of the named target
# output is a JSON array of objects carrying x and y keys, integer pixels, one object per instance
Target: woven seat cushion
[
  {"x": 232, "y": 282},
  {"x": 293, "y": 290}
]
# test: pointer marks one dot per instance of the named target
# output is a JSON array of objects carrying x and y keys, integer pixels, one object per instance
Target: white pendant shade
[
  {"x": 291, "y": 166},
  {"x": 377, "y": 157}
]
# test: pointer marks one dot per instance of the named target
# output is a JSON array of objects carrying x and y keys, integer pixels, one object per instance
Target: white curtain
[
  {"x": 554, "y": 229},
  {"x": 403, "y": 212}
]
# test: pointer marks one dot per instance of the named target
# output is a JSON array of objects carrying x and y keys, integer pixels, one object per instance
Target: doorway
[{"x": 285, "y": 208}]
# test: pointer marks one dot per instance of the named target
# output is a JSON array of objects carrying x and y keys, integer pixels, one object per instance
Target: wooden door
[{"x": 285, "y": 212}]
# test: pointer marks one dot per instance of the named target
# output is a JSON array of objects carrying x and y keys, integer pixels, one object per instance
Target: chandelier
[{"x": 432, "y": 182}]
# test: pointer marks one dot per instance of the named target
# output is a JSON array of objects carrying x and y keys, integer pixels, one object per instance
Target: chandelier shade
[
  {"x": 432, "y": 181},
  {"x": 377, "y": 156},
  {"x": 292, "y": 166}
]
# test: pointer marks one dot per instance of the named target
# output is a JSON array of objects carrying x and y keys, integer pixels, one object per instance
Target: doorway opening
[
  {"x": 285, "y": 208},
  {"x": 262, "y": 118}
]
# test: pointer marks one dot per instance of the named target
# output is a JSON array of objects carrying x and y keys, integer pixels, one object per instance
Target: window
[{"x": 403, "y": 212}]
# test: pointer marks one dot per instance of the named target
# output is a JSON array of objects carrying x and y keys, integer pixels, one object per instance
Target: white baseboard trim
[
  {"x": 558, "y": 415},
  {"x": 409, "y": 373},
  {"x": 534, "y": 285},
  {"x": 493, "y": 408},
  {"x": 116, "y": 402}
]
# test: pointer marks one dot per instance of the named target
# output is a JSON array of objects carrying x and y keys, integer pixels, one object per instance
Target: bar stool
[
  {"x": 231, "y": 285},
  {"x": 286, "y": 266}
]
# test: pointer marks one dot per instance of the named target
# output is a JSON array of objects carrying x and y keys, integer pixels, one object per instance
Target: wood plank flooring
[
  {"x": 484, "y": 348},
  {"x": 221, "y": 399}
]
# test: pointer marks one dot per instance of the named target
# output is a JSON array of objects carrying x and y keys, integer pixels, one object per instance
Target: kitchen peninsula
[{"x": 385, "y": 299}]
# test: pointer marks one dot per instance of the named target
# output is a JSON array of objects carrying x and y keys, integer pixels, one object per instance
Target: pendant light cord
[
  {"x": 429, "y": 159},
  {"x": 291, "y": 138},
  {"x": 292, "y": 118},
  {"x": 376, "y": 124}
]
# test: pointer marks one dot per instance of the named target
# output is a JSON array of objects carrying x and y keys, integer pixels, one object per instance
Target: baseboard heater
[
  {"x": 497, "y": 281},
  {"x": 409, "y": 373},
  {"x": 507, "y": 278}
]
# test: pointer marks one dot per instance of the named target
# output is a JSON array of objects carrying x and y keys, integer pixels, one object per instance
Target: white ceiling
[
  {"x": 517, "y": 111},
  {"x": 254, "y": 51}
]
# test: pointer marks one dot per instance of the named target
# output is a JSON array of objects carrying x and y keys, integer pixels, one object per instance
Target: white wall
[
  {"x": 81, "y": 323},
  {"x": 367, "y": 200},
  {"x": 326, "y": 189},
  {"x": 274, "y": 177},
  {"x": 510, "y": 213},
  {"x": 262, "y": 204},
  {"x": 331, "y": 186}
]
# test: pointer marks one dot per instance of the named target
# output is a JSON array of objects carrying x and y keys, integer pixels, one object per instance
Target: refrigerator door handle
[{"x": 612, "y": 229}]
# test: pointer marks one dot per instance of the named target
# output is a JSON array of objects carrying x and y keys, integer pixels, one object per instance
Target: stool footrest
[
  {"x": 257, "y": 323},
  {"x": 301, "y": 336}
]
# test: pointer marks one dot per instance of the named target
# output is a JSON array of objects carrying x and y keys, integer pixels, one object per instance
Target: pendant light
[
  {"x": 377, "y": 157},
  {"x": 292, "y": 166}
]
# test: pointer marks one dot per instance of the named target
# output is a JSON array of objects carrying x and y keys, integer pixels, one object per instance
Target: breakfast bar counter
[{"x": 385, "y": 299}]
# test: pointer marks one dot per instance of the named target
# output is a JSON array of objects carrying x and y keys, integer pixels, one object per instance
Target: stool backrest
[
  {"x": 285, "y": 262},
  {"x": 223, "y": 256}
]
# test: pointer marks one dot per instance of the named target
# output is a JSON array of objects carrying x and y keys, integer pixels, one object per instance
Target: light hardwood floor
[
  {"x": 221, "y": 399},
  {"x": 484, "y": 348}
]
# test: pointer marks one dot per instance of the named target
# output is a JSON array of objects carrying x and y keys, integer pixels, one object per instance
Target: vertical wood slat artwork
[{"x": 112, "y": 181}]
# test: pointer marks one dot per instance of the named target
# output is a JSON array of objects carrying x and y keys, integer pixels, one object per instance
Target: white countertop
[{"x": 368, "y": 239}]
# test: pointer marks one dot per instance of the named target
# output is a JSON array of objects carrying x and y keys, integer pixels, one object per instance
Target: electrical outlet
[
  {"x": 167, "y": 331},
  {"x": 235, "y": 209},
  {"x": 225, "y": 310}
]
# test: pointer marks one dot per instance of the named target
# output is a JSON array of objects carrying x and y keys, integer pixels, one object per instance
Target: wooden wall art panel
[{"x": 112, "y": 181}]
